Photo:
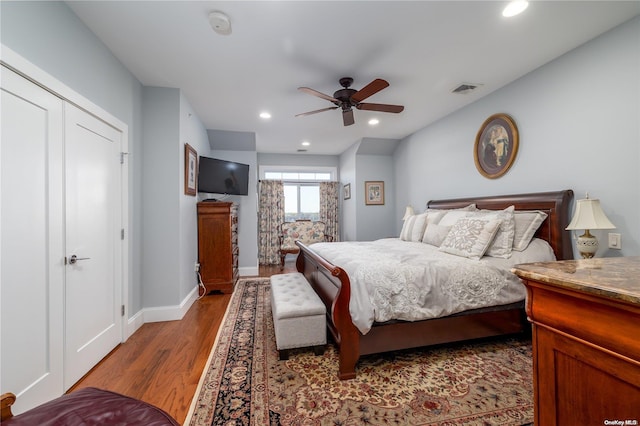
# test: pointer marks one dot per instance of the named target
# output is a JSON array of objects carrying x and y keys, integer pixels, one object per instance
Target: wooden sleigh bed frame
[{"x": 332, "y": 284}]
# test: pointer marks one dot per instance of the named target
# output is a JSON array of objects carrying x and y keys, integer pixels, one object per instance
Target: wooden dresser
[
  {"x": 586, "y": 340},
  {"x": 218, "y": 245}
]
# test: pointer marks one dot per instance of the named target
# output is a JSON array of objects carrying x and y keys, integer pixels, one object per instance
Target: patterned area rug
[{"x": 486, "y": 383}]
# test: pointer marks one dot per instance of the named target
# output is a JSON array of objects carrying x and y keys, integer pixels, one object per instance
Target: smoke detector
[
  {"x": 465, "y": 88},
  {"x": 220, "y": 23}
]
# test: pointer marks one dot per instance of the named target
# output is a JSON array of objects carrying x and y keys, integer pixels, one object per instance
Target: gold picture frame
[
  {"x": 190, "y": 169},
  {"x": 496, "y": 146},
  {"x": 374, "y": 192}
]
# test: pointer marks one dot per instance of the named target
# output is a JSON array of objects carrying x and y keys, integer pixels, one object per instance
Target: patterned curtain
[
  {"x": 329, "y": 201},
  {"x": 270, "y": 216}
]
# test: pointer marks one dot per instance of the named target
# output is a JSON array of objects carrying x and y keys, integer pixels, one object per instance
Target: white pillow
[
  {"x": 433, "y": 217},
  {"x": 502, "y": 243},
  {"x": 526, "y": 225},
  {"x": 470, "y": 237},
  {"x": 413, "y": 228},
  {"x": 452, "y": 216},
  {"x": 435, "y": 234}
]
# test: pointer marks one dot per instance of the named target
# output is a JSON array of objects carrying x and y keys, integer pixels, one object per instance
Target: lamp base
[{"x": 587, "y": 245}]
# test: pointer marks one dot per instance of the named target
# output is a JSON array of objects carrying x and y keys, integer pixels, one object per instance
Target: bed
[{"x": 333, "y": 284}]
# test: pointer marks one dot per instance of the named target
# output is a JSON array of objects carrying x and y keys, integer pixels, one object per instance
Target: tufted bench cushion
[{"x": 299, "y": 316}]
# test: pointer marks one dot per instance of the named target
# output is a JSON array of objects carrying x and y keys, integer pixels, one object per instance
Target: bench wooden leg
[
  {"x": 283, "y": 354},
  {"x": 318, "y": 350}
]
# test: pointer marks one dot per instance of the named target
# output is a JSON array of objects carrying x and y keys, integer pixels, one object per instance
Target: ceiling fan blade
[
  {"x": 381, "y": 107},
  {"x": 316, "y": 111},
  {"x": 318, "y": 94},
  {"x": 347, "y": 117},
  {"x": 370, "y": 89}
]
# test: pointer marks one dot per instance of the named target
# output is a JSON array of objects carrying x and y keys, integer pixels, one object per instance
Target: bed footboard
[{"x": 332, "y": 284}]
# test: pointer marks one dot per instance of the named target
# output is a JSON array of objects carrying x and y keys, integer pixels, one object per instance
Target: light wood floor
[{"x": 161, "y": 362}]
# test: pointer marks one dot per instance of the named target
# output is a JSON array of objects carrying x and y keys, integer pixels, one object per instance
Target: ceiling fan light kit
[{"x": 347, "y": 98}]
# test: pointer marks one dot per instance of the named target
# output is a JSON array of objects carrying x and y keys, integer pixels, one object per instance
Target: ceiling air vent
[
  {"x": 302, "y": 150},
  {"x": 465, "y": 88}
]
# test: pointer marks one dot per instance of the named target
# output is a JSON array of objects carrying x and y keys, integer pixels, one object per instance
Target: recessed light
[
  {"x": 514, "y": 8},
  {"x": 306, "y": 143},
  {"x": 374, "y": 121},
  {"x": 265, "y": 115}
]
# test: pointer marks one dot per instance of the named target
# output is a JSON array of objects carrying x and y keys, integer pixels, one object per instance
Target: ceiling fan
[{"x": 347, "y": 98}]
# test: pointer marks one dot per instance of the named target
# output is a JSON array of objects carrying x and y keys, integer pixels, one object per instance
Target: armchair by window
[{"x": 304, "y": 230}]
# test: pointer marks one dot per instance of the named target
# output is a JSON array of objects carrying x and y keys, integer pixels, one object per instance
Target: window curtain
[
  {"x": 270, "y": 216},
  {"x": 329, "y": 201}
]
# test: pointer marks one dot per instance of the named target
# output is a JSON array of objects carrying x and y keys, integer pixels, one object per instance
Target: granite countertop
[{"x": 612, "y": 277}]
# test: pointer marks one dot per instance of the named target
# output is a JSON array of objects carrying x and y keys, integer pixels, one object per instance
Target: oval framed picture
[{"x": 496, "y": 146}]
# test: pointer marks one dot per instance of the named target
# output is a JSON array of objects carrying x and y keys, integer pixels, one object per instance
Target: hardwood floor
[{"x": 161, "y": 362}]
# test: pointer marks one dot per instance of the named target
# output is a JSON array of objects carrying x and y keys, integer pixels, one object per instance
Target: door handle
[{"x": 73, "y": 259}]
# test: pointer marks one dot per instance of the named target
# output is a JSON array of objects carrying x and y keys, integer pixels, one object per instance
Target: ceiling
[{"x": 424, "y": 49}]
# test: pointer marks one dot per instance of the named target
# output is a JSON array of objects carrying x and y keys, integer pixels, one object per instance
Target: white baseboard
[
  {"x": 161, "y": 313},
  {"x": 249, "y": 271}
]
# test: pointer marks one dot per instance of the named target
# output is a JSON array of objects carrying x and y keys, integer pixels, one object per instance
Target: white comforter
[{"x": 394, "y": 279}]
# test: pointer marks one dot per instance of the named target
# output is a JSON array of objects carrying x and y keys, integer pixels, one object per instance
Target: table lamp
[
  {"x": 408, "y": 212},
  {"x": 588, "y": 215}
]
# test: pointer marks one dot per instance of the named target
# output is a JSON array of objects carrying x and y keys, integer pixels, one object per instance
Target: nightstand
[{"x": 586, "y": 340}]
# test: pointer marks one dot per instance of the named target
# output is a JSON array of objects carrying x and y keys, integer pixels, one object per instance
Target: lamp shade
[
  {"x": 589, "y": 215},
  {"x": 408, "y": 212}
]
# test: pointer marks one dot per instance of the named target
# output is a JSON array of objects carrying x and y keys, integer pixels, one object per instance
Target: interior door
[
  {"x": 93, "y": 319},
  {"x": 32, "y": 247}
]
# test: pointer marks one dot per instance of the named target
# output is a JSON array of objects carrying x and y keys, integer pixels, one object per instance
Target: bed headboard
[{"x": 554, "y": 204}]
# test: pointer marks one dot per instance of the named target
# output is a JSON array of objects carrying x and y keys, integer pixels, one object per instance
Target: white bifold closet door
[{"x": 60, "y": 183}]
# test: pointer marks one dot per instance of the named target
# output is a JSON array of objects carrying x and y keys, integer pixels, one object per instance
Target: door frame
[{"x": 38, "y": 76}]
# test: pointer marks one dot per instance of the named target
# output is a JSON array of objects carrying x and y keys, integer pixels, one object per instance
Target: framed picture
[
  {"x": 496, "y": 146},
  {"x": 374, "y": 192},
  {"x": 347, "y": 191},
  {"x": 190, "y": 169}
]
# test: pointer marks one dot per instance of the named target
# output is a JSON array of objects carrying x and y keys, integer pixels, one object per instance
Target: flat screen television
[{"x": 222, "y": 177}]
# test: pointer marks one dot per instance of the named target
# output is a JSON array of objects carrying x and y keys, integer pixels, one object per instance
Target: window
[
  {"x": 301, "y": 189},
  {"x": 301, "y": 201}
]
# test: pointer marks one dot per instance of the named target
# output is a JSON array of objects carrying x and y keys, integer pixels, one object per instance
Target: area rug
[{"x": 482, "y": 383}]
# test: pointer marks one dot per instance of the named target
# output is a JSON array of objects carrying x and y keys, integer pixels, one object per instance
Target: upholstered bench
[{"x": 299, "y": 316}]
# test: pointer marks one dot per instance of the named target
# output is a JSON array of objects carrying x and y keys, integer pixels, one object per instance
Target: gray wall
[
  {"x": 349, "y": 211},
  {"x": 49, "y": 35},
  {"x": 375, "y": 221},
  {"x": 298, "y": 160},
  {"x": 193, "y": 132},
  {"x": 247, "y": 210},
  {"x": 579, "y": 124},
  {"x": 160, "y": 210},
  {"x": 163, "y": 242}
]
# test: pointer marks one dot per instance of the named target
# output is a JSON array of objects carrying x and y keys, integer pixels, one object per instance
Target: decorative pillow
[
  {"x": 435, "y": 234},
  {"x": 526, "y": 225},
  {"x": 470, "y": 237},
  {"x": 413, "y": 227},
  {"x": 502, "y": 243}
]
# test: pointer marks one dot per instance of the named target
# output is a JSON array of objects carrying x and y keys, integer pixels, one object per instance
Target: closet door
[
  {"x": 93, "y": 318},
  {"x": 31, "y": 252}
]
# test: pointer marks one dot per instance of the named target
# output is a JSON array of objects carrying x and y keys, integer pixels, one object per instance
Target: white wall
[{"x": 579, "y": 124}]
